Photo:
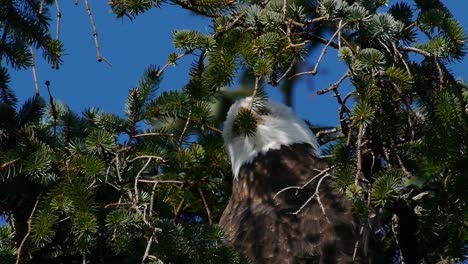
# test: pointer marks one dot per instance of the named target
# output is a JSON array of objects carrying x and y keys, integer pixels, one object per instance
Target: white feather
[{"x": 281, "y": 127}]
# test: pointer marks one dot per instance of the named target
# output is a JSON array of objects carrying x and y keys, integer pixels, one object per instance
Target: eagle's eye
[{"x": 263, "y": 111}]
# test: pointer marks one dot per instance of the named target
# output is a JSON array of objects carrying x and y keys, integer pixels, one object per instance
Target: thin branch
[
  {"x": 230, "y": 26},
  {"x": 137, "y": 178},
  {"x": 441, "y": 73},
  {"x": 160, "y": 181},
  {"x": 20, "y": 248},
  {"x": 339, "y": 33},
  {"x": 59, "y": 16},
  {"x": 148, "y": 246},
  {"x": 321, "y": 133},
  {"x": 316, "y": 195},
  {"x": 179, "y": 210},
  {"x": 214, "y": 129},
  {"x": 153, "y": 191},
  {"x": 322, "y": 172},
  {"x": 157, "y": 158},
  {"x": 285, "y": 8},
  {"x": 322, "y": 54},
  {"x": 41, "y": 7},
  {"x": 95, "y": 33},
  {"x": 154, "y": 134},
  {"x": 323, "y": 41},
  {"x": 356, "y": 245},
  {"x": 255, "y": 91},
  {"x": 395, "y": 48},
  {"x": 52, "y": 105},
  {"x": 205, "y": 204},
  {"x": 117, "y": 167},
  {"x": 9, "y": 163},
  {"x": 163, "y": 69},
  {"x": 117, "y": 204},
  {"x": 286, "y": 72},
  {"x": 34, "y": 72},
  {"x": 335, "y": 85},
  {"x": 184, "y": 131},
  {"x": 416, "y": 50},
  {"x": 359, "y": 156}
]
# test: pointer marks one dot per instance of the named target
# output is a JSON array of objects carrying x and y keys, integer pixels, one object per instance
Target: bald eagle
[{"x": 266, "y": 222}]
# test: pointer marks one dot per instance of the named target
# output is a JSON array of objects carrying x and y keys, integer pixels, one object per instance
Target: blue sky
[{"x": 82, "y": 82}]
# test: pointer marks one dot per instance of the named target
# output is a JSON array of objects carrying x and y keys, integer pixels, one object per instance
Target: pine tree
[{"x": 150, "y": 186}]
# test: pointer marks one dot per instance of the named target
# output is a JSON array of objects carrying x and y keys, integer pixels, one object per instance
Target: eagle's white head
[{"x": 278, "y": 126}]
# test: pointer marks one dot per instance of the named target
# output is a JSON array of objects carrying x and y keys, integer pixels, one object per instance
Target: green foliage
[
  {"x": 386, "y": 188},
  {"x": 110, "y": 188},
  {"x": 245, "y": 123},
  {"x": 7, "y": 245}
]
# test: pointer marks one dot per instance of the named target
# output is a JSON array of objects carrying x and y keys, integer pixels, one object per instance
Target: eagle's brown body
[{"x": 265, "y": 230}]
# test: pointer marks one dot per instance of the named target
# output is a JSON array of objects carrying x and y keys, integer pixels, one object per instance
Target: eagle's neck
[{"x": 280, "y": 128}]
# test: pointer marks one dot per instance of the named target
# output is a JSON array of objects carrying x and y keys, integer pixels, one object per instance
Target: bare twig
[
  {"x": 117, "y": 167},
  {"x": 20, "y": 248},
  {"x": 59, "y": 16},
  {"x": 179, "y": 210},
  {"x": 285, "y": 8},
  {"x": 214, "y": 129},
  {"x": 148, "y": 246},
  {"x": 205, "y": 204},
  {"x": 184, "y": 131},
  {"x": 137, "y": 178},
  {"x": 230, "y": 26},
  {"x": 322, "y": 54},
  {"x": 255, "y": 91},
  {"x": 321, "y": 133},
  {"x": 416, "y": 50},
  {"x": 441, "y": 73},
  {"x": 117, "y": 204},
  {"x": 155, "y": 134},
  {"x": 33, "y": 68},
  {"x": 401, "y": 58},
  {"x": 323, "y": 41},
  {"x": 160, "y": 181},
  {"x": 315, "y": 195},
  {"x": 9, "y": 163},
  {"x": 153, "y": 191},
  {"x": 286, "y": 72},
  {"x": 339, "y": 34},
  {"x": 322, "y": 172},
  {"x": 356, "y": 245},
  {"x": 41, "y": 7},
  {"x": 163, "y": 69},
  {"x": 52, "y": 106},
  {"x": 335, "y": 85},
  {"x": 156, "y": 158},
  {"x": 95, "y": 33},
  {"x": 359, "y": 156}
]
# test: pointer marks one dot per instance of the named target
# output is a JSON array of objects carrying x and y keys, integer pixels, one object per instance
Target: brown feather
[{"x": 263, "y": 228}]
